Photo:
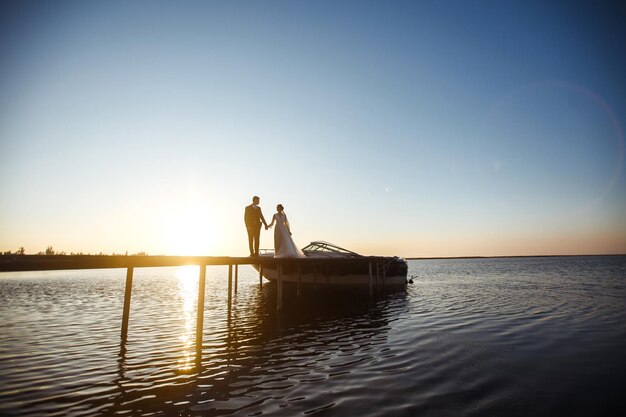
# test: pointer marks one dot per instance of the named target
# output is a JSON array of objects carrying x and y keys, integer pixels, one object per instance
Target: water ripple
[{"x": 537, "y": 336}]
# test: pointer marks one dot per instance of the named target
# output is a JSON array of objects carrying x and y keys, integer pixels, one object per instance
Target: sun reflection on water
[{"x": 187, "y": 277}]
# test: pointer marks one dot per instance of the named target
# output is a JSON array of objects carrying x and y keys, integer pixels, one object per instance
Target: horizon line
[
  {"x": 511, "y": 256},
  {"x": 405, "y": 257}
]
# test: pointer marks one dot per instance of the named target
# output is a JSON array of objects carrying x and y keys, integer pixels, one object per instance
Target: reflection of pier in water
[{"x": 261, "y": 353}]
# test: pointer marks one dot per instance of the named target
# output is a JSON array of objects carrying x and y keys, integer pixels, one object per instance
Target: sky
[{"x": 418, "y": 129}]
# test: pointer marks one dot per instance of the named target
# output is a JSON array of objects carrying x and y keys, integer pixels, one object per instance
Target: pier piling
[
  {"x": 279, "y": 287},
  {"x": 200, "y": 312},
  {"x": 230, "y": 283},
  {"x": 299, "y": 278},
  {"x": 127, "y": 292},
  {"x": 371, "y": 278},
  {"x": 384, "y": 276},
  {"x": 236, "y": 277}
]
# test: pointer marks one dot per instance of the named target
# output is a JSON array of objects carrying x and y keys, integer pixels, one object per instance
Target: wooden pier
[{"x": 14, "y": 263}]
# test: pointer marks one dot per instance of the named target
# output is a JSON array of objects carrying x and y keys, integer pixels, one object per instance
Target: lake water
[{"x": 470, "y": 337}]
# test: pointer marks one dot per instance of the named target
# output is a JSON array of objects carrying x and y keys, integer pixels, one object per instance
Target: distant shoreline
[{"x": 508, "y": 256}]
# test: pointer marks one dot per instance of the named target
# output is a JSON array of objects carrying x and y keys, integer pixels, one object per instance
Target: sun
[{"x": 190, "y": 230}]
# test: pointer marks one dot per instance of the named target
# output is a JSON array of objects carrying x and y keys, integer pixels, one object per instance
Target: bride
[{"x": 284, "y": 246}]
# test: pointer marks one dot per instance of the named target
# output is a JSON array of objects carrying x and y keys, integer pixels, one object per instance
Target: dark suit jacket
[{"x": 253, "y": 217}]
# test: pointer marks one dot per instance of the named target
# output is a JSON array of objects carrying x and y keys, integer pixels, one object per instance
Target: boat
[{"x": 327, "y": 264}]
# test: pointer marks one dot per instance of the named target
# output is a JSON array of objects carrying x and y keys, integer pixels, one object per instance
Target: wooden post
[
  {"x": 377, "y": 276},
  {"x": 200, "y": 316},
  {"x": 279, "y": 287},
  {"x": 371, "y": 278},
  {"x": 230, "y": 283},
  {"x": 384, "y": 276},
  {"x": 126, "y": 313},
  {"x": 299, "y": 273},
  {"x": 236, "y": 277},
  {"x": 260, "y": 275}
]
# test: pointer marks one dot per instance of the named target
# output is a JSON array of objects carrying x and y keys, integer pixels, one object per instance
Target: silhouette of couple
[{"x": 284, "y": 246}]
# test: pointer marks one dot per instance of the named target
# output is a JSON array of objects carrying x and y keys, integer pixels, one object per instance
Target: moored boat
[{"x": 327, "y": 264}]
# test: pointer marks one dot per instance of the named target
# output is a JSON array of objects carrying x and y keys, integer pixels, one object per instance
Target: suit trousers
[{"x": 254, "y": 235}]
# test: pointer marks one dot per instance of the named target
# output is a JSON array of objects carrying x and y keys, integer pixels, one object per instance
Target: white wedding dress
[{"x": 284, "y": 246}]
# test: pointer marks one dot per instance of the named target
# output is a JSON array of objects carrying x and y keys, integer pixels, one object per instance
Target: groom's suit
[{"x": 254, "y": 218}]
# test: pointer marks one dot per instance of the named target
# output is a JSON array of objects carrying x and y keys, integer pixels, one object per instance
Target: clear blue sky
[{"x": 444, "y": 128}]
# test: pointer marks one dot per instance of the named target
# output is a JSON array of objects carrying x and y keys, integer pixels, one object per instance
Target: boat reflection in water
[
  {"x": 352, "y": 270},
  {"x": 255, "y": 359}
]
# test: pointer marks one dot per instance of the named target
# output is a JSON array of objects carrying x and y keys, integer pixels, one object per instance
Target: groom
[{"x": 253, "y": 218}]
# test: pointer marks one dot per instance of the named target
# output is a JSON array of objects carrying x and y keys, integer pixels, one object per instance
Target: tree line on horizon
[{"x": 50, "y": 251}]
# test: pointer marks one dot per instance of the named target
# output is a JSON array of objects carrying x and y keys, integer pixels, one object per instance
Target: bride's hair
[{"x": 279, "y": 208}]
